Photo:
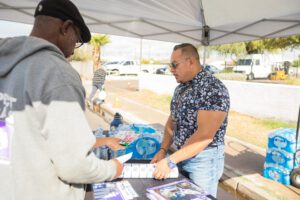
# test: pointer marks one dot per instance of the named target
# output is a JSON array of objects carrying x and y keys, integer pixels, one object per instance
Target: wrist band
[{"x": 165, "y": 150}]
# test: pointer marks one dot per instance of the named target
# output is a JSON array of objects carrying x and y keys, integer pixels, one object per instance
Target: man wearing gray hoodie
[{"x": 45, "y": 140}]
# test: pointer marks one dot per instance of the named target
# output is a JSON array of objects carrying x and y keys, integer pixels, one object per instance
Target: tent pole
[
  {"x": 141, "y": 53},
  {"x": 205, "y": 33},
  {"x": 141, "y": 57},
  {"x": 204, "y": 55}
]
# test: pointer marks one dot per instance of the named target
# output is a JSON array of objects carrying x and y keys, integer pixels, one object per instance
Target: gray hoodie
[{"x": 45, "y": 140}]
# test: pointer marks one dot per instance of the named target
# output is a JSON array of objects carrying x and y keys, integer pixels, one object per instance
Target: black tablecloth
[{"x": 140, "y": 185}]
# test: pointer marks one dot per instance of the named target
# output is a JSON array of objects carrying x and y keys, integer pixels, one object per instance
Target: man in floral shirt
[{"x": 197, "y": 124}]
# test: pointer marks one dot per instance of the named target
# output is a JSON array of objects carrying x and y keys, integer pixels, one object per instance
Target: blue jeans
[{"x": 206, "y": 168}]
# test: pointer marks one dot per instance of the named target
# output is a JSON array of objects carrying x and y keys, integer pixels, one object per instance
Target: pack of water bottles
[
  {"x": 140, "y": 139},
  {"x": 280, "y": 159},
  {"x": 277, "y": 173},
  {"x": 103, "y": 151}
]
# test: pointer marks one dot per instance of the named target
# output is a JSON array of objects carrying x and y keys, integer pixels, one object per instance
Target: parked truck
[{"x": 254, "y": 66}]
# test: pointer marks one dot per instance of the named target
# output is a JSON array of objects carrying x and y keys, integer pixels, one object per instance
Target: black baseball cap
[{"x": 64, "y": 10}]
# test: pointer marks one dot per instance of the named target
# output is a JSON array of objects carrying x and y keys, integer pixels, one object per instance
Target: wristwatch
[{"x": 171, "y": 164}]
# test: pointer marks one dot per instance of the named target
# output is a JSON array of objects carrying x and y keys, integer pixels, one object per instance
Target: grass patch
[
  {"x": 243, "y": 127},
  {"x": 292, "y": 81},
  {"x": 248, "y": 129},
  {"x": 253, "y": 130},
  {"x": 274, "y": 124},
  {"x": 242, "y": 77},
  {"x": 231, "y": 76}
]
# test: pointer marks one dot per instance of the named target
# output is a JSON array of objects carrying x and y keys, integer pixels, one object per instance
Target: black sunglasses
[
  {"x": 79, "y": 42},
  {"x": 174, "y": 65}
]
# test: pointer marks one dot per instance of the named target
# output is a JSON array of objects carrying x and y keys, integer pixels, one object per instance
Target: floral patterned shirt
[{"x": 203, "y": 92}]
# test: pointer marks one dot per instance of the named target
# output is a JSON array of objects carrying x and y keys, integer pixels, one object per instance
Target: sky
[
  {"x": 11, "y": 29},
  {"x": 120, "y": 47},
  {"x": 130, "y": 48}
]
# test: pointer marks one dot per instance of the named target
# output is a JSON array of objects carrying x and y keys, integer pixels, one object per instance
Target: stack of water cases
[
  {"x": 144, "y": 146},
  {"x": 280, "y": 155}
]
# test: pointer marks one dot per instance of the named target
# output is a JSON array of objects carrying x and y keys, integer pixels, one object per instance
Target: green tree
[
  {"x": 282, "y": 43},
  {"x": 296, "y": 63},
  {"x": 236, "y": 49},
  {"x": 255, "y": 47},
  {"x": 145, "y": 61},
  {"x": 81, "y": 55},
  {"x": 97, "y": 42},
  {"x": 272, "y": 44},
  {"x": 258, "y": 46}
]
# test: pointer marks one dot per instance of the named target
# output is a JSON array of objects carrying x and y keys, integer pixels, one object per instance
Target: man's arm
[
  {"x": 167, "y": 141},
  {"x": 208, "y": 122},
  {"x": 111, "y": 142},
  {"x": 70, "y": 140}
]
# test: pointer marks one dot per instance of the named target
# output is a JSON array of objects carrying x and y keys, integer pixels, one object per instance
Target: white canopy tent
[{"x": 209, "y": 22}]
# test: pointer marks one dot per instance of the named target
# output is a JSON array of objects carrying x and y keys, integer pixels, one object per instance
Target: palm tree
[{"x": 97, "y": 41}]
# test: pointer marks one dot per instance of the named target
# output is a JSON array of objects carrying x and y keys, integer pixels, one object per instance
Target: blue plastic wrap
[
  {"x": 283, "y": 139},
  {"x": 103, "y": 151},
  {"x": 280, "y": 158},
  {"x": 277, "y": 173},
  {"x": 281, "y": 150},
  {"x": 145, "y": 146}
]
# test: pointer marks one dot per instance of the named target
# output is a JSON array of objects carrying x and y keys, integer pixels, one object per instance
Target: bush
[
  {"x": 228, "y": 70},
  {"x": 145, "y": 62},
  {"x": 150, "y": 61},
  {"x": 296, "y": 63},
  {"x": 81, "y": 55}
]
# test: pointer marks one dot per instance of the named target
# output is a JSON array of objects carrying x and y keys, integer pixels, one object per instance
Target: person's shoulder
[
  {"x": 101, "y": 70},
  {"x": 55, "y": 65},
  {"x": 45, "y": 52},
  {"x": 208, "y": 77},
  {"x": 40, "y": 45},
  {"x": 209, "y": 81},
  {"x": 51, "y": 60}
]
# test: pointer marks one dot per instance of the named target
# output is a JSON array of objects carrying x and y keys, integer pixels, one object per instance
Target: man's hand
[
  {"x": 162, "y": 170},
  {"x": 161, "y": 154},
  {"x": 114, "y": 143},
  {"x": 119, "y": 167},
  {"x": 111, "y": 142}
]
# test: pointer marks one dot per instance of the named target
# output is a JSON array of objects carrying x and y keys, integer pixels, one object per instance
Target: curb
[{"x": 242, "y": 186}]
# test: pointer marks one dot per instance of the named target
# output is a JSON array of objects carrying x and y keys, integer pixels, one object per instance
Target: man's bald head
[
  {"x": 60, "y": 23},
  {"x": 188, "y": 50},
  {"x": 63, "y": 34},
  {"x": 184, "y": 63}
]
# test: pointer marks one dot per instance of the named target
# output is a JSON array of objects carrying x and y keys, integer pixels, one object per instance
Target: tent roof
[{"x": 178, "y": 20}]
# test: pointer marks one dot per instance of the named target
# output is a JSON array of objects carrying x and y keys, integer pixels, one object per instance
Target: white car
[{"x": 122, "y": 67}]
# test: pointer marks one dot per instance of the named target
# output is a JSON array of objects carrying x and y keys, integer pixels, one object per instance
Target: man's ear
[
  {"x": 191, "y": 61},
  {"x": 65, "y": 26}
]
